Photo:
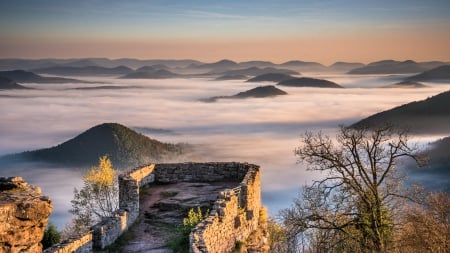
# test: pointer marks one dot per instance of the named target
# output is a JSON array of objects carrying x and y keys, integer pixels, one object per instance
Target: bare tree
[{"x": 354, "y": 208}]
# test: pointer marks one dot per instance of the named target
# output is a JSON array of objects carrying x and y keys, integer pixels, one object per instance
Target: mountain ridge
[
  {"x": 8, "y": 84},
  {"x": 428, "y": 116},
  {"x": 258, "y": 92},
  {"x": 309, "y": 82},
  {"x": 125, "y": 148},
  {"x": 22, "y": 76},
  {"x": 440, "y": 73}
]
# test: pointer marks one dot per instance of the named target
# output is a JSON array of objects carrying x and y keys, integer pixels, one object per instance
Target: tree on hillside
[
  {"x": 98, "y": 198},
  {"x": 425, "y": 226},
  {"x": 354, "y": 208}
]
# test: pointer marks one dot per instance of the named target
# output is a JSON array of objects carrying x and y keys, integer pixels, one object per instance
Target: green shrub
[
  {"x": 51, "y": 236},
  {"x": 180, "y": 243}
]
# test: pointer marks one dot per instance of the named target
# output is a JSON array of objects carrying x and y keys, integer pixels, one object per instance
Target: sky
[{"x": 314, "y": 30}]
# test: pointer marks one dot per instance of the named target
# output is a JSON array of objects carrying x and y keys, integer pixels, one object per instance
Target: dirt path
[
  {"x": 162, "y": 208},
  {"x": 149, "y": 236}
]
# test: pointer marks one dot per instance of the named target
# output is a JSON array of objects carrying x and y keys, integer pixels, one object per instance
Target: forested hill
[
  {"x": 428, "y": 116},
  {"x": 125, "y": 147}
]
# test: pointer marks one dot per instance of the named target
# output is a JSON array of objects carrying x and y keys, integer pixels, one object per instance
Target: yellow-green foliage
[
  {"x": 262, "y": 215},
  {"x": 180, "y": 243},
  {"x": 101, "y": 176},
  {"x": 193, "y": 218},
  {"x": 277, "y": 236},
  {"x": 98, "y": 198}
]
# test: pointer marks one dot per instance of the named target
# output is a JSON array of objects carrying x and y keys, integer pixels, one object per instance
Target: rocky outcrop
[{"x": 24, "y": 213}]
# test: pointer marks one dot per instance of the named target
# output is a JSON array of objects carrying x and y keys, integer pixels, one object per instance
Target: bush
[
  {"x": 180, "y": 243},
  {"x": 51, "y": 236}
]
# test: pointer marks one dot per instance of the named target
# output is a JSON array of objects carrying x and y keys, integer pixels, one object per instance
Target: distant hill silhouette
[
  {"x": 254, "y": 71},
  {"x": 441, "y": 73},
  {"x": 406, "y": 84},
  {"x": 125, "y": 148},
  {"x": 231, "y": 77},
  {"x": 155, "y": 74},
  {"x": 309, "y": 82},
  {"x": 439, "y": 153},
  {"x": 260, "y": 64},
  {"x": 107, "y": 87},
  {"x": 270, "y": 77},
  {"x": 22, "y": 76},
  {"x": 222, "y": 64},
  {"x": 428, "y": 116},
  {"x": 8, "y": 84},
  {"x": 84, "y": 71},
  {"x": 29, "y": 64},
  {"x": 258, "y": 92},
  {"x": 304, "y": 66},
  {"x": 345, "y": 66},
  {"x": 151, "y": 68},
  {"x": 82, "y": 62},
  {"x": 436, "y": 174},
  {"x": 394, "y": 67}
]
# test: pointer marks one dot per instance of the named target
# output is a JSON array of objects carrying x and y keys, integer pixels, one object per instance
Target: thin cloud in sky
[{"x": 76, "y": 27}]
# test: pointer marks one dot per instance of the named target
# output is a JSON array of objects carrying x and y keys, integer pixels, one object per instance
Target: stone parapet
[
  {"x": 81, "y": 244},
  {"x": 233, "y": 217},
  {"x": 200, "y": 172}
]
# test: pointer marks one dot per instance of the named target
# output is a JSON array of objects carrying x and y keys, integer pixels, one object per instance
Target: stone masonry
[{"x": 233, "y": 218}]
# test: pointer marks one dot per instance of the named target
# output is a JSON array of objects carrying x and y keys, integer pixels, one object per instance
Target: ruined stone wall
[
  {"x": 82, "y": 244},
  {"x": 24, "y": 213},
  {"x": 234, "y": 217},
  {"x": 200, "y": 172},
  {"x": 129, "y": 185},
  {"x": 106, "y": 232},
  {"x": 109, "y": 229}
]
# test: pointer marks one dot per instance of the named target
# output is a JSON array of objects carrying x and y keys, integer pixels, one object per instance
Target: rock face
[{"x": 24, "y": 213}]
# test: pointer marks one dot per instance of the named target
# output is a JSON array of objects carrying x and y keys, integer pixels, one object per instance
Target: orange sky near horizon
[
  {"x": 278, "y": 31},
  {"x": 325, "y": 49}
]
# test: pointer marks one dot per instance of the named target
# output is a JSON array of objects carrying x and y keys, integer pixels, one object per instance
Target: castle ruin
[{"x": 234, "y": 215}]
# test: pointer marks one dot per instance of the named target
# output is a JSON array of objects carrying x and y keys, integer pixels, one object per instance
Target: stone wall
[
  {"x": 24, "y": 213},
  {"x": 234, "y": 216},
  {"x": 129, "y": 185},
  {"x": 200, "y": 172},
  {"x": 82, "y": 244}
]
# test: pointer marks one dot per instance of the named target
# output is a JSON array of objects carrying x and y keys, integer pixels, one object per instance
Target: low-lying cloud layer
[{"x": 262, "y": 131}]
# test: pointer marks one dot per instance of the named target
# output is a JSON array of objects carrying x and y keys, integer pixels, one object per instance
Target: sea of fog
[{"x": 263, "y": 131}]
